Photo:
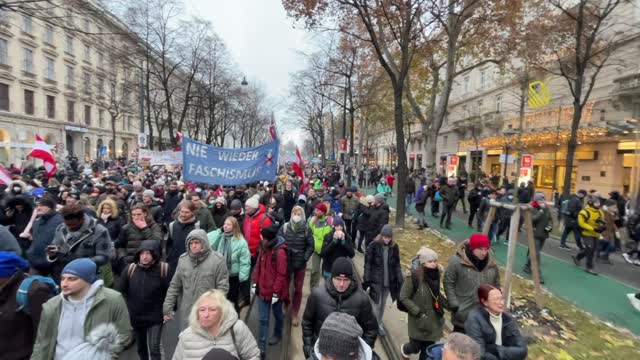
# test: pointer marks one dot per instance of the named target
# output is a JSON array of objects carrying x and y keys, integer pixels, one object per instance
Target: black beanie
[
  {"x": 269, "y": 233},
  {"x": 219, "y": 354},
  {"x": 342, "y": 267}
]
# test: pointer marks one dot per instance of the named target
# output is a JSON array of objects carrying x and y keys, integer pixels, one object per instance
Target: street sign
[
  {"x": 527, "y": 161},
  {"x": 343, "y": 145},
  {"x": 142, "y": 140},
  {"x": 102, "y": 150}
]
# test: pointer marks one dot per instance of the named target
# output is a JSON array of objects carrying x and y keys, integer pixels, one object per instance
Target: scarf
[
  {"x": 479, "y": 264},
  {"x": 189, "y": 221},
  {"x": 432, "y": 278},
  {"x": 227, "y": 239}
]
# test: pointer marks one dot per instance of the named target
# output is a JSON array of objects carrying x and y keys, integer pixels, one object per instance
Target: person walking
[
  {"x": 378, "y": 217},
  {"x": 198, "y": 270},
  {"x": 421, "y": 204},
  {"x": 471, "y": 266},
  {"x": 320, "y": 225},
  {"x": 410, "y": 190},
  {"x": 299, "y": 241},
  {"x": 450, "y": 195},
  {"x": 382, "y": 272},
  {"x": 421, "y": 295},
  {"x": 592, "y": 224},
  {"x": 202, "y": 213},
  {"x": 42, "y": 234},
  {"x": 349, "y": 207},
  {"x": 255, "y": 220},
  {"x": 185, "y": 222},
  {"x": 542, "y": 222},
  {"x": 109, "y": 217},
  {"x": 340, "y": 337},
  {"x": 144, "y": 285},
  {"x": 85, "y": 310},
  {"x": 362, "y": 220},
  {"x": 229, "y": 242},
  {"x": 336, "y": 244},
  {"x": 141, "y": 227},
  {"x": 570, "y": 209},
  {"x": 475, "y": 198}
]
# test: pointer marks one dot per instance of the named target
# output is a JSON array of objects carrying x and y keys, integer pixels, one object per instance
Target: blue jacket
[
  {"x": 434, "y": 352},
  {"x": 42, "y": 233}
]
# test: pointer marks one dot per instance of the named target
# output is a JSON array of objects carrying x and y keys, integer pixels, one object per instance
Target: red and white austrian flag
[
  {"x": 5, "y": 178},
  {"x": 43, "y": 152}
]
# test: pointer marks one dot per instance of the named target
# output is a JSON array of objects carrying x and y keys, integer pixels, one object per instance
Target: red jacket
[
  {"x": 271, "y": 274},
  {"x": 252, "y": 227},
  {"x": 390, "y": 179}
]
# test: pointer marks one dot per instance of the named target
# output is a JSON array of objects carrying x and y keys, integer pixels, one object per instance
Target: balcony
[{"x": 628, "y": 85}]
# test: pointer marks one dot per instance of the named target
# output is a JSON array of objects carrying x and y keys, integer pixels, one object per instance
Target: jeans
[
  {"x": 539, "y": 243},
  {"x": 316, "y": 261},
  {"x": 298, "y": 283},
  {"x": 576, "y": 233},
  {"x": 605, "y": 247},
  {"x": 264, "y": 311},
  {"x": 149, "y": 342},
  {"x": 417, "y": 346},
  {"x": 447, "y": 210},
  {"x": 422, "y": 220},
  {"x": 382, "y": 302},
  {"x": 464, "y": 205},
  {"x": 408, "y": 200},
  {"x": 472, "y": 213},
  {"x": 588, "y": 250}
]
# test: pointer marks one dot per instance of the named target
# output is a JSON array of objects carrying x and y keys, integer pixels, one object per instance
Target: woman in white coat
[{"x": 213, "y": 323}]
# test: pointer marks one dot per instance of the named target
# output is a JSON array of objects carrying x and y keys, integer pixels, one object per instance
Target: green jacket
[
  {"x": 383, "y": 188},
  {"x": 540, "y": 219},
  {"x": 108, "y": 306},
  {"x": 429, "y": 327},
  {"x": 449, "y": 194},
  {"x": 319, "y": 228},
  {"x": 349, "y": 206},
  {"x": 239, "y": 261},
  {"x": 206, "y": 220},
  {"x": 462, "y": 280}
]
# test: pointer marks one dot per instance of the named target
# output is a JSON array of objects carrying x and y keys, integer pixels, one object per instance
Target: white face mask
[
  {"x": 17, "y": 189},
  {"x": 296, "y": 218},
  {"x": 29, "y": 188}
]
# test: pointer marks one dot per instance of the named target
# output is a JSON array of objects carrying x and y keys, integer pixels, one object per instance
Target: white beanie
[{"x": 252, "y": 203}]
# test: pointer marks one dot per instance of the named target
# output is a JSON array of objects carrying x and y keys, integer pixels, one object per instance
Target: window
[
  {"x": 100, "y": 59},
  {"x": 70, "y": 110},
  {"x": 499, "y": 103},
  {"x": 48, "y": 34},
  {"x": 51, "y": 69},
  {"x": 466, "y": 84},
  {"x": 4, "y": 17},
  {"x": 87, "y": 26},
  {"x": 124, "y": 123},
  {"x": 3, "y": 52},
  {"x": 4, "y": 97},
  {"x": 68, "y": 79},
  {"x": 87, "y": 83},
  {"x": 101, "y": 87},
  {"x": 69, "y": 48},
  {"x": 101, "y": 118},
  {"x": 28, "y": 61},
  {"x": 87, "y": 53},
  {"x": 51, "y": 107},
  {"x": 27, "y": 24},
  {"x": 483, "y": 79},
  {"x": 113, "y": 91},
  {"x": 87, "y": 115},
  {"x": 480, "y": 110},
  {"x": 445, "y": 139},
  {"x": 28, "y": 102}
]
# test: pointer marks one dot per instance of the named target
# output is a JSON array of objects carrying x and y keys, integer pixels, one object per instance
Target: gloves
[
  {"x": 365, "y": 286},
  {"x": 274, "y": 299},
  {"x": 548, "y": 228},
  {"x": 253, "y": 289},
  {"x": 600, "y": 228}
]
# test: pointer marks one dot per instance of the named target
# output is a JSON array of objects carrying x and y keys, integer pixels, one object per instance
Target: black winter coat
[
  {"x": 378, "y": 217},
  {"x": 176, "y": 245},
  {"x": 324, "y": 300},
  {"x": 362, "y": 217},
  {"x": 410, "y": 186},
  {"x": 299, "y": 243},
  {"x": 42, "y": 233},
  {"x": 114, "y": 226},
  {"x": 171, "y": 201},
  {"x": 479, "y": 328},
  {"x": 290, "y": 198},
  {"x": 145, "y": 288},
  {"x": 374, "y": 270},
  {"x": 219, "y": 215},
  {"x": 474, "y": 197},
  {"x": 131, "y": 238},
  {"x": 573, "y": 209},
  {"x": 332, "y": 250}
]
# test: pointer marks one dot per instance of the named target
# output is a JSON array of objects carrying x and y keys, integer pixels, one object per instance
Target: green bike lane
[{"x": 600, "y": 295}]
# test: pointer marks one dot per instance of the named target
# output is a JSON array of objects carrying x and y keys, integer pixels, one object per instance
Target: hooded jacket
[
  {"x": 421, "y": 301},
  {"x": 176, "y": 240},
  {"x": 378, "y": 217},
  {"x": 234, "y": 251},
  {"x": 331, "y": 250},
  {"x": 374, "y": 269},
  {"x": 589, "y": 220},
  {"x": 195, "y": 342},
  {"x": 253, "y": 225},
  {"x": 478, "y": 327},
  {"x": 366, "y": 353},
  {"x": 195, "y": 275},
  {"x": 324, "y": 300},
  {"x": 462, "y": 279},
  {"x": 320, "y": 227},
  {"x": 145, "y": 287},
  {"x": 270, "y": 272},
  {"x": 101, "y": 306},
  {"x": 299, "y": 240}
]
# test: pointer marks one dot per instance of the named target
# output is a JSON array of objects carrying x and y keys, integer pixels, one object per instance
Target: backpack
[
  {"x": 164, "y": 270},
  {"x": 195, "y": 226},
  {"x": 22, "y": 296},
  {"x": 289, "y": 252},
  {"x": 564, "y": 207},
  {"x": 414, "y": 281},
  {"x": 437, "y": 196}
]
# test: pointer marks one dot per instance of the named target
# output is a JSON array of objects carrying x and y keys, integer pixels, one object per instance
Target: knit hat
[
  {"x": 302, "y": 198},
  {"x": 252, "y": 203},
  {"x": 337, "y": 221},
  {"x": 339, "y": 336},
  {"x": 322, "y": 207},
  {"x": 425, "y": 255},
  {"x": 148, "y": 193},
  {"x": 269, "y": 233},
  {"x": 582, "y": 192},
  {"x": 218, "y": 354},
  {"x": 83, "y": 268},
  {"x": 370, "y": 198},
  {"x": 47, "y": 201},
  {"x": 342, "y": 267},
  {"x": 379, "y": 198},
  {"x": 538, "y": 197},
  {"x": 387, "y": 231},
  {"x": 236, "y": 204},
  {"x": 221, "y": 200},
  {"x": 353, "y": 189},
  {"x": 477, "y": 241},
  {"x": 10, "y": 263}
]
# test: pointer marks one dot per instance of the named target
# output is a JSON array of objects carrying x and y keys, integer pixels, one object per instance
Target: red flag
[
  {"x": 300, "y": 160},
  {"x": 42, "y": 151},
  {"x": 297, "y": 167},
  {"x": 179, "y": 136},
  {"x": 272, "y": 129},
  {"x": 5, "y": 177}
]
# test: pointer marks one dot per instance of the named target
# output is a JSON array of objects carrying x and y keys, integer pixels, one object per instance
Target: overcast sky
[{"x": 262, "y": 42}]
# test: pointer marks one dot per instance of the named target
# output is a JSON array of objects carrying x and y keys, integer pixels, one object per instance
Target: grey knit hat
[
  {"x": 537, "y": 197},
  {"x": 148, "y": 193},
  {"x": 339, "y": 336},
  {"x": 379, "y": 198},
  {"x": 387, "y": 230},
  {"x": 425, "y": 255}
]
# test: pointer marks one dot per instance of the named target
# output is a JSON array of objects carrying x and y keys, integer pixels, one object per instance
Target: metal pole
[
  {"x": 141, "y": 97},
  {"x": 344, "y": 126},
  {"x": 506, "y": 162}
]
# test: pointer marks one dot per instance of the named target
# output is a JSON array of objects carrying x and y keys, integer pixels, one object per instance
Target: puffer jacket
[
  {"x": 155, "y": 210},
  {"x": 253, "y": 226},
  {"x": 299, "y": 240},
  {"x": 195, "y": 275},
  {"x": 114, "y": 226},
  {"x": 234, "y": 251},
  {"x": 478, "y": 327},
  {"x": 378, "y": 217},
  {"x": 589, "y": 220},
  {"x": 289, "y": 199},
  {"x": 145, "y": 287},
  {"x": 42, "y": 233},
  {"x": 324, "y": 300},
  {"x": 462, "y": 279},
  {"x": 131, "y": 237},
  {"x": 429, "y": 327},
  {"x": 270, "y": 272},
  {"x": 195, "y": 342},
  {"x": 331, "y": 250},
  {"x": 574, "y": 207},
  {"x": 319, "y": 228},
  {"x": 374, "y": 269}
]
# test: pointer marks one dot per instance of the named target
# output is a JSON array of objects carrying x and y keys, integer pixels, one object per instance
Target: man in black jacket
[
  {"x": 474, "y": 197},
  {"x": 171, "y": 200},
  {"x": 378, "y": 217},
  {"x": 342, "y": 293},
  {"x": 144, "y": 285},
  {"x": 570, "y": 213}
]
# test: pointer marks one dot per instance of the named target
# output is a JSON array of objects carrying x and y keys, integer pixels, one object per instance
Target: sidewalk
[{"x": 604, "y": 296}]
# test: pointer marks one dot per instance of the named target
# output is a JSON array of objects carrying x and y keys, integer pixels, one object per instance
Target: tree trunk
[
  {"x": 430, "y": 156},
  {"x": 113, "y": 133},
  {"x": 571, "y": 148},
  {"x": 401, "y": 177}
]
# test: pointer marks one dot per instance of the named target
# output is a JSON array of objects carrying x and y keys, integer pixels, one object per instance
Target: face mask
[
  {"x": 17, "y": 189},
  {"x": 212, "y": 201},
  {"x": 29, "y": 188},
  {"x": 61, "y": 188},
  {"x": 296, "y": 218},
  {"x": 198, "y": 190}
]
